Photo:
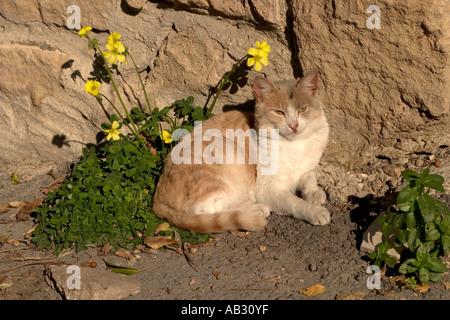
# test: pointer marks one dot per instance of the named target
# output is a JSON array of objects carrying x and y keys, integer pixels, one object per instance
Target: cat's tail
[{"x": 250, "y": 218}]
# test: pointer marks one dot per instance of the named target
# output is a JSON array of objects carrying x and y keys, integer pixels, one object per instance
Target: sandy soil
[{"x": 288, "y": 256}]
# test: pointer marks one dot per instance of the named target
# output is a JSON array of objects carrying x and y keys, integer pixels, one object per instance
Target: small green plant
[
  {"x": 411, "y": 282},
  {"x": 421, "y": 224},
  {"x": 108, "y": 196}
]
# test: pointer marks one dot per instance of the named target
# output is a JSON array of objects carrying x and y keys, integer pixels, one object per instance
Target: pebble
[
  {"x": 250, "y": 249},
  {"x": 312, "y": 267},
  {"x": 419, "y": 162},
  {"x": 391, "y": 183},
  {"x": 392, "y": 171},
  {"x": 360, "y": 187}
]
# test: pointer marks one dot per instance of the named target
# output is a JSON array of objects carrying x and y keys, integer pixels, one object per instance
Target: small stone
[
  {"x": 384, "y": 189},
  {"x": 95, "y": 284},
  {"x": 360, "y": 187},
  {"x": 419, "y": 163},
  {"x": 312, "y": 267},
  {"x": 392, "y": 171},
  {"x": 391, "y": 184},
  {"x": 249, "y": 249}
]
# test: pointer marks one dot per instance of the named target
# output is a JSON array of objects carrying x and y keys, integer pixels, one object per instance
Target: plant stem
[
  {"x": 135, "y": 131},
  {"x": 143, "y": 88},
  {"x": 225, "y": 79},
  {"x": 115, "y": 108}
]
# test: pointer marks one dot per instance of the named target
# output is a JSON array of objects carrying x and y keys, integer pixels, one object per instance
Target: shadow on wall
[
  {"x": 237, "y": 80},
  {"x": 61, "y": 140},
  {"x": 100, "y": 74}
]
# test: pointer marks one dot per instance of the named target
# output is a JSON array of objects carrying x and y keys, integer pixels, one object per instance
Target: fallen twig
[
  {"x": 186, "y": 247},
  {"x": 54, "y": 183},
  {"x": 15, "y": 249},
  {"x": 29, "y": 258},
  {"x": 27, "y": 265},
  {"x": 252, "y": 289}
]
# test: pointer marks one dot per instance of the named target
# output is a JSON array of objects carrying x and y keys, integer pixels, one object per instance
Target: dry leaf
[
  {"x": 422, "y": 288},
  {"x": 162, "y": 227},
  {"x": 17, "y": 204},
  {"x": 3, "y": 239},
  {"x": 4, "y": 207},
  {"x": 177, "y": 237},
  {"x": 351, "y": 296},
  {"x": 313, "y": 290},
  {"x": 25, "y": 211},
  {"x": 29, "y": 232},
  {"x": 123, "y": 253},
  {"x": 159, "y": 241},
  {"x": 106, "y": 248},
  {"x": 14, "y": 243},
  {"x": 6, "y": 284},
  {"x": 216, "y": 273},
  {"x": 241, "y": 234}
]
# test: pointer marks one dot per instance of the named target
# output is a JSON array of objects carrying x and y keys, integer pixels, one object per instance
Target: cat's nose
[{"x": 293, "y": 125}]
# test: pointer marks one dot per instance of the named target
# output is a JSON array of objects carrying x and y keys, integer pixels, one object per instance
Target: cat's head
[{"x": 292, "y": 107}]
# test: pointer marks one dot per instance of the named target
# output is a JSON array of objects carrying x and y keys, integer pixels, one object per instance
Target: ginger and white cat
[{"x": 214, "y": 197}]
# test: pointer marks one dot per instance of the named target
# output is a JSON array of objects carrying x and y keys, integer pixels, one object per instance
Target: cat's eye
[
  {"x": 279, "y": 112},
  {"x": 302, "y": 109}
]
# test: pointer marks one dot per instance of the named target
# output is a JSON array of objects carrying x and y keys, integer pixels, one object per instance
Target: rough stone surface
[
  {"x": 385, "y": 90},
  {"x": 95, "y": 284}
]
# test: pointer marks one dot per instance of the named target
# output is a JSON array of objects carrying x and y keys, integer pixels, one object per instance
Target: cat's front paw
[
  {"x": 316, "y": 197},
  {"x": 262, "y": 209},
  {"x": 320, "y": 216}
]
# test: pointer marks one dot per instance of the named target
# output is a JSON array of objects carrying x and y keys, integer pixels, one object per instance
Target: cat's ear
[
  {"x": 262, "y": 87},
  {"x": 309, "y": 82}
]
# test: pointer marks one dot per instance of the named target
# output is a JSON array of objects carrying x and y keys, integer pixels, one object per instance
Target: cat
[{"x": 214, "y": 197}]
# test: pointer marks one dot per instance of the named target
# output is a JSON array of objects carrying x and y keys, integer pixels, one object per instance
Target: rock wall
[{"x": 386, "y": 89}]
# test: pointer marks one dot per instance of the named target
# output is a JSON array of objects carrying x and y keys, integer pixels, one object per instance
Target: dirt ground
[{"x": 288, "y": 256}]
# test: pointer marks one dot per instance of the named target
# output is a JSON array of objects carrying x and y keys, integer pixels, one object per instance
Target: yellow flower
[
  {"x": 116, "y": 50},
  {"x": 114, "y": 37},
  {"x": 113, "y": 132},
  {"x": 166, "y": 136},
  {"x": 84, "y": 32},
  {"x": 257, "y": 58},
  {"x": 258, "y": 55},
  {"x": 263, "y": 46},
  {"x": 92, "y": 86}
]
